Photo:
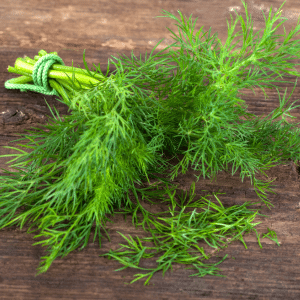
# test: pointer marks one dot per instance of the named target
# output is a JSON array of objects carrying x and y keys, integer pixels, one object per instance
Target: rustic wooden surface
[{"x": 106, "y": 28}]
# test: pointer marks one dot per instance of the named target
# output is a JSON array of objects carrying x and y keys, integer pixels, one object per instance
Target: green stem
[
  {"x": 23, "y": 66},
  {"x": 16, "y": 71},
  {"x": 27, "y": 64},
  {"x": 22, "y": 79},
  {"x": 60, "y": 90}
]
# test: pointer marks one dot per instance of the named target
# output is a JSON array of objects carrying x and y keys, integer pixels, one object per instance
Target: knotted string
[{"x": 39, "y": 76}]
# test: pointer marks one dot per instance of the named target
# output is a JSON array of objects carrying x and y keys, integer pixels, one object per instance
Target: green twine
[{"x": 39, "y": 76}]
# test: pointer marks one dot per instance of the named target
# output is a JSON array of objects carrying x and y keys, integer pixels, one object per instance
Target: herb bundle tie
[
  {"x": 39, "y": 76},
  {"x": 51, "y": 76}
]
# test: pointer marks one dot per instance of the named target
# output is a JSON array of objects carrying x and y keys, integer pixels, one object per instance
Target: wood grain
[{"x": 106, "y": 28}]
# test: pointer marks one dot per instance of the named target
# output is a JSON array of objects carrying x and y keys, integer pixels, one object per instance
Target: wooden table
[{"x": 106, "y": 28}]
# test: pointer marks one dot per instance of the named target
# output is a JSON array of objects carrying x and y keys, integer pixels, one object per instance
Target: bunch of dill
[{"x": 118, "y": 132}]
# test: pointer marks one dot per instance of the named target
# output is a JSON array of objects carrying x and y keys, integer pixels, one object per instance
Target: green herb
[
  {"x": 178, "y": 236},
  {"x": 121, "y": 129}
]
